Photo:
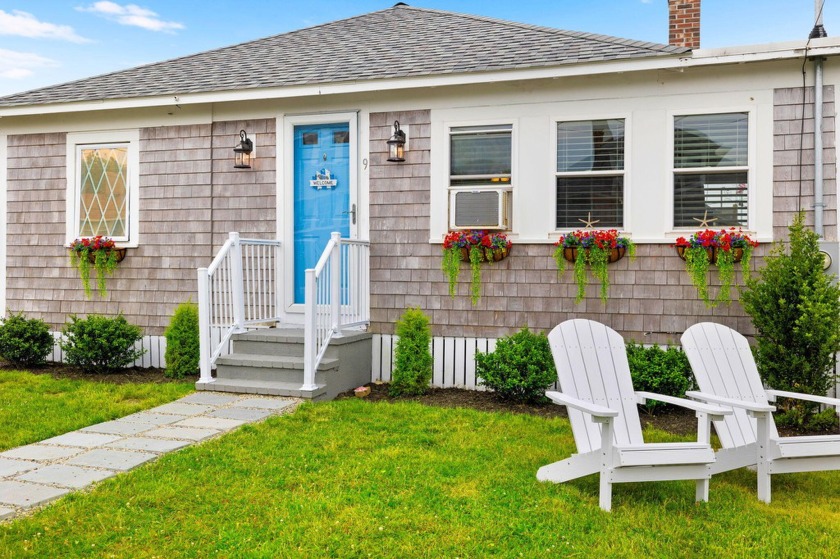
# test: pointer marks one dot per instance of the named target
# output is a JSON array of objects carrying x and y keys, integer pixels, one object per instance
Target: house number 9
[{"x": 364, "y": 162}]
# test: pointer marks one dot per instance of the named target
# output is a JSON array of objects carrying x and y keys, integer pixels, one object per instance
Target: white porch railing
[
  {"x": 337, "y": 297},
  {"x": 239, "y": 287}
]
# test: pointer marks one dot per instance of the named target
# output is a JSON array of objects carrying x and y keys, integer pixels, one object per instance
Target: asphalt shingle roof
[{"x": 398, "y": 42}]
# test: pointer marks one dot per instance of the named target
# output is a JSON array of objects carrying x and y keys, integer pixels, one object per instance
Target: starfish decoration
[
  {"x": 706, "y": 221},
  {"x": 589, "y": 222}
]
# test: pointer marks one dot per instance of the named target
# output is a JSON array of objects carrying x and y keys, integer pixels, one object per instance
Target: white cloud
[
  {"x": 16, "y": 65},
  {"x": 133, "y": 15},
  {"x": 23, "y": 24}
]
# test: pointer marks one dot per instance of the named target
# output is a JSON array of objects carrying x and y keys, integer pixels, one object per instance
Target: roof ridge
[{"x": 660, "y": 47}]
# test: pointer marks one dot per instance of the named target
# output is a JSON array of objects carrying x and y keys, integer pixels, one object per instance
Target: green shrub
[
  {"x": 413, "y": 360},
  {"x": 182, "y": 342},
  {"x": 99, "y": 344},
  {"x": 25, "y": 342},
  {"x": 795, "y": 308},
  {"x": 800, "y": 419},
  {"x": 520, "y": 368},
  {"x": 664, "y": 371}
]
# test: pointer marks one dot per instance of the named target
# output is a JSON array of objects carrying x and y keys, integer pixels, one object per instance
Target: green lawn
[
  {"x": 358, "y": 479},
  {"x": 37, "y": 407}
]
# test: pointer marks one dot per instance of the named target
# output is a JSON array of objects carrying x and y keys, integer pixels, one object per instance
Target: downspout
[{"x": 819, "y": 204}]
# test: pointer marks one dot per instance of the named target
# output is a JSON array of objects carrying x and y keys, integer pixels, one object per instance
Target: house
[{"x": 527, "y": 129}]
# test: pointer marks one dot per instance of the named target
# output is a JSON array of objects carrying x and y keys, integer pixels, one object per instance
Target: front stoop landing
[{"x": 269, "y": 361}]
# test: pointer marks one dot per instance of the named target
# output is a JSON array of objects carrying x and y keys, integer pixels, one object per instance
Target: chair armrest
[
  {"x": 592, "y": 409},
  {"x": 682, "y": 402},
  {"x": 773, "y": 394},
  {"x": 731, "y": 402}
]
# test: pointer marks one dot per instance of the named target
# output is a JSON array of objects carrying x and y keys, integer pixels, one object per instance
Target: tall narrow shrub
[
  {"x": 182, "y": 341},
  {"x": 413, "y": 359},
  {"x": 795, "y": 308}
]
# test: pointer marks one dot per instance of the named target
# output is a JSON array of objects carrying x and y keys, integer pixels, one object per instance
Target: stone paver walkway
[{"x": 38, "y": 473}]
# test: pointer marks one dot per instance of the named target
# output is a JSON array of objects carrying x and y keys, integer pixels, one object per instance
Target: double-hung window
[
  {"x": 590, "y": 173},
  {"x": 480, "y": 176},
  {"x": 102, "y": 186},
  {"x": 711, "y": 169}
]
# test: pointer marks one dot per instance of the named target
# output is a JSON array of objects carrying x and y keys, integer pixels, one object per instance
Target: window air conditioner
[{"x": 488, "y": 208}]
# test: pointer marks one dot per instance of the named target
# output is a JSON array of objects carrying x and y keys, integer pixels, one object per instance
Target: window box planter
[
  {"x": 596, "y": 248},
  {"x": 616, "y": 254},
  {"x": 475, "y": 247},
  {"x": 99, "y": 253},
  {"x": 487, "y": 254},
  {"x": 723, "y": 249},
  {"x": 119, "y": 255}
]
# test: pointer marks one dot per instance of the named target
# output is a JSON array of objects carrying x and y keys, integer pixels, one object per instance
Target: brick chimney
[{"x": 684, "y": 23}]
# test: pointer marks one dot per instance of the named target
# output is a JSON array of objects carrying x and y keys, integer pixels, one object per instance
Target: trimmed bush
[
  {"x": 413, "y": 360},
  {"x": 795, "y": 308},
  {"x": 99, "y": 344},
  {"x": 182, "y": 342},
  {"x": 519, "y": 369},
  {"x": 664, "y": 371},
  {"x": 25, "y": 342}
]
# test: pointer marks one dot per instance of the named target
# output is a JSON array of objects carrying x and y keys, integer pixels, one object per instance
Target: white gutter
[{"x": 829, "y": 46}]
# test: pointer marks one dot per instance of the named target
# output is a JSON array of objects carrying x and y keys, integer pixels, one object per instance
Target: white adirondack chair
[
  {"x": 726, "y": 374},
  {"x": 594, "y": 377}
]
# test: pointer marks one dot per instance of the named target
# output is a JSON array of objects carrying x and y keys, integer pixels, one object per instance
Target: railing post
[
  {"x": 204, "y": 326},
  {"x": 335, "y": 285},
  {"x": 309, "y": 347},
  {"x": 237, "y": 284}
]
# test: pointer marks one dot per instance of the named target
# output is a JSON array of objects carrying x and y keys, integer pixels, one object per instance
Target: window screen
[
  {"x": 590, "y": 173},
  {"x": 711, "y": 175}
]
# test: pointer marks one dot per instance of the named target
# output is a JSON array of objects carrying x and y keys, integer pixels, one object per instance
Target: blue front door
[{"x": 322, "y": 193}]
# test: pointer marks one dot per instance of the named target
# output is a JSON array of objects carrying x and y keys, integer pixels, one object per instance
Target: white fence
[
  {"x": 454, "y": 360},
  {"x": 153, "y": 357}
]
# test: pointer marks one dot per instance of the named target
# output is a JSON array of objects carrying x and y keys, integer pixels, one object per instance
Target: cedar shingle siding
[{"x": 177, "y": 166}]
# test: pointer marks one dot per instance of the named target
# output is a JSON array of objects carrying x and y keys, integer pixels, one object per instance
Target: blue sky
[{"x": 44, "y": 42}]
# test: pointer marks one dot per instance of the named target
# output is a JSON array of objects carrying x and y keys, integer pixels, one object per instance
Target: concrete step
[
  {"x": 282, "y": 368},
  {"x": 267, "y": 388},
  {"x": 288, "y": 341}
]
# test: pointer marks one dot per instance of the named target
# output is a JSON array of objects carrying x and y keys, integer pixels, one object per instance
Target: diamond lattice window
[{"x": 103, "y": 204}]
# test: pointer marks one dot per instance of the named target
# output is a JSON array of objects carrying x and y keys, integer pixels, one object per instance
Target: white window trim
[
  {"x": 626, "y": 172},
  {"x": 110, "y": 137},
  {"x": 447, "y": 167},
  {"x": 752, "y": 156}
]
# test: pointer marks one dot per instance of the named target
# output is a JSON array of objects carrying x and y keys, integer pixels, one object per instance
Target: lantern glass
[
  {"x": 242, "y": 159},
  {"x": 242, "y": 152},
  {"x": 396, "y": 152},
  {"x": 396, "y": 144}
]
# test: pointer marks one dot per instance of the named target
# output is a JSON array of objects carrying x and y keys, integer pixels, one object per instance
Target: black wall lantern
[
  {"x": 242, "y": 152},
  {"x": 396, "y": 144}
]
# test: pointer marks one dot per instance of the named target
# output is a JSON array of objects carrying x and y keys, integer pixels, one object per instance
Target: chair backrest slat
[
  {"x": 592, "y": 365},
  {"x": 723, "y": 365}
]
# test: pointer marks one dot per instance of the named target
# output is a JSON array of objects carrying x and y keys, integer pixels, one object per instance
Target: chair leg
[
  {"x": 764, "y": 482},
  {"x": 701, "y": 492},
  {"x": 605, "y": 500},
  {"x": 762, "y": 436}
]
